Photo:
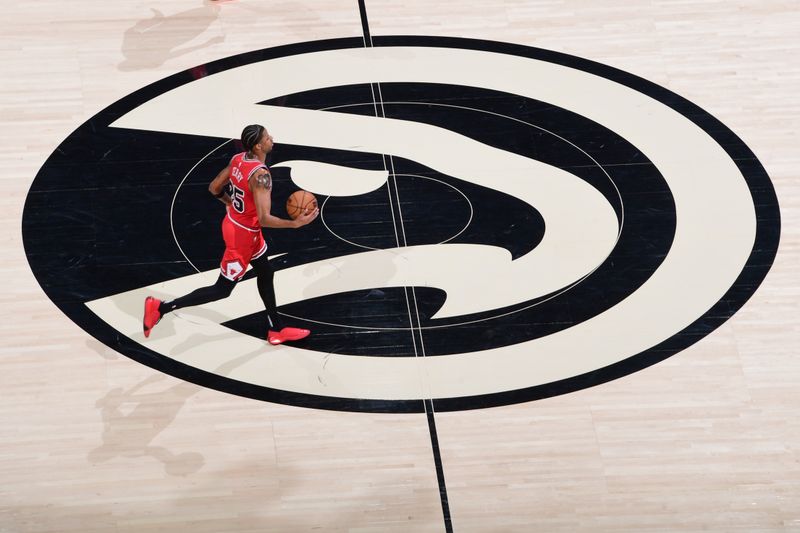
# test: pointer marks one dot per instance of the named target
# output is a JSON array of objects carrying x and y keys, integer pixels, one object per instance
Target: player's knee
[
  {"x": 262, "y": 267},
  {"x": 224, "y": 287}
]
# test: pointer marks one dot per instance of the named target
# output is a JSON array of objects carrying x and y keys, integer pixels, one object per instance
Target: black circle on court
[{"x": 94, "y": 223}]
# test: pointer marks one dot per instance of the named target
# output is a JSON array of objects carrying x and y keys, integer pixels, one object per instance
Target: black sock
[{"x": 266, "y": 289}]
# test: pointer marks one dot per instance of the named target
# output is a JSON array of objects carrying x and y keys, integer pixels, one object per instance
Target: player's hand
[{"x": 307, "y": 217}]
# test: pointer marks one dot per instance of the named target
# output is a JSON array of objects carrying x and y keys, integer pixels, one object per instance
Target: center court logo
[{"x": 499, "y": 223}]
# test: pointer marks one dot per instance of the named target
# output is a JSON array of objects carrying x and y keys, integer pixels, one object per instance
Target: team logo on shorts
[{"x": 497, "y": 223}]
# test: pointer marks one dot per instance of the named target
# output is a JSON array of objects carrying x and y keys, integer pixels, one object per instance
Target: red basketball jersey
[{"x": 242, "y": 210}]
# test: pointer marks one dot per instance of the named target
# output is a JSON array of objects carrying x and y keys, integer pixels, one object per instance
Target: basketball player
[{"x": 248, "y": 209}]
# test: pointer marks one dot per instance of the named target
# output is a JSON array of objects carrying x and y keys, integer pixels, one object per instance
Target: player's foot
[
  {"x": 287, "y": 334},
  {"x": 151, "y": 314}
]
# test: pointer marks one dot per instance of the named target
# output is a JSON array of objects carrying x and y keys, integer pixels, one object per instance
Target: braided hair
[{"x": 251, "y": 135}]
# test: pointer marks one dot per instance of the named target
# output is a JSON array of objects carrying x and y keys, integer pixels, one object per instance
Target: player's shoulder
[{"x": 261, "y": 177}]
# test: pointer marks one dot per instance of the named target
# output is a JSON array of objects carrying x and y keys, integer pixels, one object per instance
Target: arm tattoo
[{"x": 263, "y": 180}]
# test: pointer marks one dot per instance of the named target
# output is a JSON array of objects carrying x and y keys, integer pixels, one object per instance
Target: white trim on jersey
[
  {"x": 240, "y": 225},
  {"x": 259, "y": 253},
  {"x": 253, "y": 171},
  {"x": 233, "y": 274}
]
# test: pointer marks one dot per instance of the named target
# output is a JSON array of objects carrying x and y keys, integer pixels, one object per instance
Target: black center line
[{"x": 413, "y": 313}]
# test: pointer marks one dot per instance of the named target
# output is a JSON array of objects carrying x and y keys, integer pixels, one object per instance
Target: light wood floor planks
[{"x": 91, "y": 441}]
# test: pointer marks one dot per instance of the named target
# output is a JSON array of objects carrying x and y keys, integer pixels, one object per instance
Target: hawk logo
[{"x": 498, "y": 223}]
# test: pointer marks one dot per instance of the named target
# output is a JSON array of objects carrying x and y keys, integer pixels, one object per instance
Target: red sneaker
[
  {"x": 151, "y": 314},
  {"x": 287, "y": 334}
]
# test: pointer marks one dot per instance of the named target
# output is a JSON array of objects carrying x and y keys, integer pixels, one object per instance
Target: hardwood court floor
[{"x": 93, "y": 441}]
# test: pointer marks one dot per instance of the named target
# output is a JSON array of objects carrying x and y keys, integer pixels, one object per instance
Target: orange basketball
[{"x": 298, "y": 202}]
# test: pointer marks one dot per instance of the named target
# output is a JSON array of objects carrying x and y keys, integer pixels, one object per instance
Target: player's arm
[
  {"x": 217, "y": 185},
  {"x": 261, "y": 187}
]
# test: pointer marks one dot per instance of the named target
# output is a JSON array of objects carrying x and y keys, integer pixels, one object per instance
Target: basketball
[{"x": 298, "y": 202}]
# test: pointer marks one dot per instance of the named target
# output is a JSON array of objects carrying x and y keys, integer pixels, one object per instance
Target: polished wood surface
[{"x": 91, "y": 441}]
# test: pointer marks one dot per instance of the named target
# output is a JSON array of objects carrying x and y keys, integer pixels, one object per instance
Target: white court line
[{"x": 175, "y": 196}]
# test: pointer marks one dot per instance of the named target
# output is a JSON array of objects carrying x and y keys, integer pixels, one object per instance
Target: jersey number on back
[{"x": 237, "y": 199}]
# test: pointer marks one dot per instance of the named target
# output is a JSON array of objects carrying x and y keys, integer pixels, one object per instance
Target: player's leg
[
  {"x": 265, "y": 276},
  {"x": 155, "y": 309},
  {"x": 219, "y": 290},
  {"x": 232, "y": 268}
]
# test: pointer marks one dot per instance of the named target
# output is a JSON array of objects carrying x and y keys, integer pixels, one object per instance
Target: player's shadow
[
  {"x": 324, "y": 278},
  {"x": 151, "y": 42},
  {"x": 133, "y": 418}
]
